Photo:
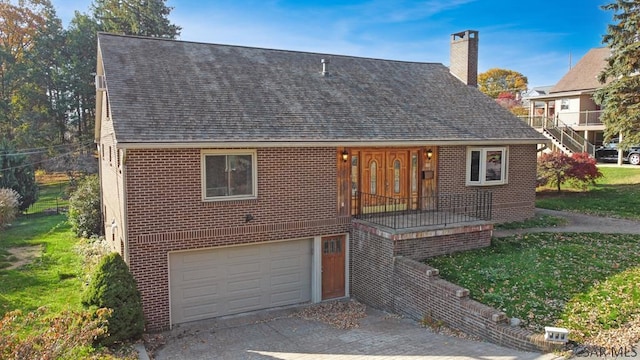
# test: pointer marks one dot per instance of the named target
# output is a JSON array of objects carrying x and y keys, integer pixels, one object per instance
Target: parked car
[{"x": 609, "y": 152}]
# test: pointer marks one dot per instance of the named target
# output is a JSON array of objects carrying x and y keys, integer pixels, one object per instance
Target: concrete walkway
[
  {"x": 278, "y": 334},
  {"x": 580, "y": 223}
]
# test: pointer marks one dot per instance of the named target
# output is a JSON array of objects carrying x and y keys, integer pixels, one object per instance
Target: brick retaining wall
[
  {"x": 386, "y": 274},
  {"x": 419, "y": 292}
]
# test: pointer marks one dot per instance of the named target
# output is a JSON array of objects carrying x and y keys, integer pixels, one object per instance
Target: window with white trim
[
  {"x": 229, "y": 174},
  {"x": 486, "y": 166}
]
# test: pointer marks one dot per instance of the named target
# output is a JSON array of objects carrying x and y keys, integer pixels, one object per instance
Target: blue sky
[{"x": 536, "y": 38}]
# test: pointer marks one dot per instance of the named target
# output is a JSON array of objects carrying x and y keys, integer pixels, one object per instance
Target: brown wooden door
[
  {"x": 373, "y": 181},
  {"x": 389, "y": 180},
  {"x": 397, "y": 179},
  {"x": 333, "y": 276}
]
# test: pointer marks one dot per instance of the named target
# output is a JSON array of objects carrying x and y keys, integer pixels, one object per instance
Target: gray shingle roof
[
  {"x": 583, "y": 76},
  {"x": 184, "y": 92}
]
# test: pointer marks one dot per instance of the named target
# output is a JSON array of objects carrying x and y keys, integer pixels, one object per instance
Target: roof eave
[
  {"x": 341, "y": 143},
  {"x": 561, "y": 94}
]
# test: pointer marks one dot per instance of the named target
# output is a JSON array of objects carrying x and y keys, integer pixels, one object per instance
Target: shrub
[
  {"x": 69, "y": 335},
  {"x": 112, "y": 286},
  {"x": 9, "y": 204},
  {"x": 557, "y": 168},
  {"x": 85, "y": 214},
  {"x": 584, "y": 170},
  {"x": 17, "y": 173}
]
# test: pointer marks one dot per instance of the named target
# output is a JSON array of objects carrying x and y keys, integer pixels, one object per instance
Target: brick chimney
[{"x": 464, "y": 56}]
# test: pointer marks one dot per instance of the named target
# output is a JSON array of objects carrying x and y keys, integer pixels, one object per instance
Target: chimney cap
[{"x": 467, "y": 34}]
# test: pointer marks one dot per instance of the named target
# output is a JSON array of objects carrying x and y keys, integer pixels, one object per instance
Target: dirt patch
[{"x": 23, "y": 255}]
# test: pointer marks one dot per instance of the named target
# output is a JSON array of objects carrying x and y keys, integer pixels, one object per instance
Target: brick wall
[
  {"x": 421, "y": 294},
  {"x": 460, "y": 239},
  {"x": 296, "y": 198},
  {"x": 464, "y": 56},
  {"x": 381, "y": 277},
  {"x": 514, "y": 201},
  {"x": 371, "y": 269}
]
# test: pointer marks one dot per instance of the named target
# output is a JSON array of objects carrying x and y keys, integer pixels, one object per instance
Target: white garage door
[{"x": 216, "y": 282}]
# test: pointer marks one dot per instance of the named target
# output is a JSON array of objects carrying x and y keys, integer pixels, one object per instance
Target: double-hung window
[
  {"x": 229, "y": 174},
  {"x": 486, "y": 166}
]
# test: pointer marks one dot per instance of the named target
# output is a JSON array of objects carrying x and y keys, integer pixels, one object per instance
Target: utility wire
[
  {"x": 40, "y": 150},
  {"x": 45, "y": 160}
]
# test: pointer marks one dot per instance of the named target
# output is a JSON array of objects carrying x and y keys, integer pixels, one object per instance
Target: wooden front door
[
  {"x": 397, "y": 179},
  {"x": 385, "y": 180},
  {"x": 333, "y": 275},
  {"x": 374, "y": 185},
  {"x": 373, "y": 166},
  {"x": 391, "y": 179}
]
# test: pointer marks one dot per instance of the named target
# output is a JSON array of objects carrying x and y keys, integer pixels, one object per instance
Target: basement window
[
  {"x": 486, "y": 166},
  {"x": 229, "y": 175}
]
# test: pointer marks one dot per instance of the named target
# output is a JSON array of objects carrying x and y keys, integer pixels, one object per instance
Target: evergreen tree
[
  {"x": 81, "y": 59},
  {"x": 620, "y": 97},
  {"x": 135, "y": 17},
  {"x": 112, "y": 286}
]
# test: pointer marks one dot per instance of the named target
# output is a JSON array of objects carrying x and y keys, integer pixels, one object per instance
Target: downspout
[
  {"x": 125, "y": 223},
  {"x": 103, "y": 216}
]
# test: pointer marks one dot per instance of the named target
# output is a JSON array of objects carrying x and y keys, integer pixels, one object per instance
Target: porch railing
[
  {"x": 441, "y": 209},
  {"x": 564, "y": 135},
  {"x": 579, "y": 118}
]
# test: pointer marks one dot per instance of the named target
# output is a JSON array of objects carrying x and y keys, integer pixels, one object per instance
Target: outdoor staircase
[{"x": 564, "y": 138}]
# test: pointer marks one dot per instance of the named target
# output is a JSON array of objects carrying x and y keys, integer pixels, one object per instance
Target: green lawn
[
  {"x": 616, "y": 194},
  {"x": 534, "y": 276},
  {"x": 53, "y": 277},
  {"x": 584, "y": 282},
  {"x": 51, "y": 197},
  {"x": 50, "y": 281},
  {"x": 52, "y": 273}
]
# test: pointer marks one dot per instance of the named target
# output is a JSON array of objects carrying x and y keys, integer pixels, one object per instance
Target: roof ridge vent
[{"x": 325, "y": 67}]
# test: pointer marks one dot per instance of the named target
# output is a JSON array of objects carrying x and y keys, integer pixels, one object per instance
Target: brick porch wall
[
  {"x": 166, "y": 212},
  {"x": 514, "y": 201},
  {"x": 383, "y": 278},
  {"x": 454, "y": 240}
]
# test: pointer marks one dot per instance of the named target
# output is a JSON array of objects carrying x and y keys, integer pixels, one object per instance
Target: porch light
[
  {"x": 345, "y": 155},
  {"x": 429, "y": 154}
]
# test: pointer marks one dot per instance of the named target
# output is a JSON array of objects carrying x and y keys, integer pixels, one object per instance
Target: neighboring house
[
  {"x": 538, "y": 108},
  {"x": 568, "y": 110},
  {"x": 237, "y": 178}
]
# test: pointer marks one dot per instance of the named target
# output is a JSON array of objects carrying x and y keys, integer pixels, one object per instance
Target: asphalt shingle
[
  {"x": 584, "y": 75},
  {"x": 184, "y": 92}
]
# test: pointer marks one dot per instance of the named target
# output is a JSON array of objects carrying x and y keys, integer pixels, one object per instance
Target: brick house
[{"x": 235, "y": 178}]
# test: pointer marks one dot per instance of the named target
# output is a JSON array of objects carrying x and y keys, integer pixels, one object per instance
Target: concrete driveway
[{"x": 279, "y": 334}]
